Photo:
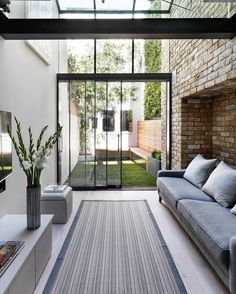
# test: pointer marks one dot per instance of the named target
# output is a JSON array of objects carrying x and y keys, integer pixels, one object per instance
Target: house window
[
  {"x": 108, "y": 121},
  {"x": 125, "y": 121},
  {"x": 93, "y": 122}
]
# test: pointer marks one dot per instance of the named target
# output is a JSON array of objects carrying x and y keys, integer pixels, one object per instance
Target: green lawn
[{"x": 133, "y": 175}]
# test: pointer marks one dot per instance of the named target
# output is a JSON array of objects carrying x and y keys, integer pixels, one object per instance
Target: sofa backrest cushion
[
  {"x": 199, "y": 170},
  {"x": 222, "y": 185}
]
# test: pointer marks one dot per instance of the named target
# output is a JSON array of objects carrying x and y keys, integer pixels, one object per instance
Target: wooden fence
[{"x": 149, "y": 135}]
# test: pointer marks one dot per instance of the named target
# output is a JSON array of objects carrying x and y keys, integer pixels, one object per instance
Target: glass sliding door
[
  {"x": 108, "y": 134},
  {"x": 89, "y": 135},
  {"x": 100, "y": 135},
  {"x": 100, "y": 118},
  {"x": 114, "y": 136},
  {"x": 90, "y": 112}
]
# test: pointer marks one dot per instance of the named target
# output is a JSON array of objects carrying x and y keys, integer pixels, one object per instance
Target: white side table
[{"x": 24, "y": 272}]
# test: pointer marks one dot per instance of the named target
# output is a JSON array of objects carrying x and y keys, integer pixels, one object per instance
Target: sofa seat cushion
[
  {"x": 213, "y": 225},
  {"x": 175, "y": 189}
]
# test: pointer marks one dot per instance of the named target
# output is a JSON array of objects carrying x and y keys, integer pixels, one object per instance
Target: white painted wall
[
  {"x": 137, "y": 113},
  {"x": 28, "y": 90},
  {"x": 74, "y": 139},
  {"x": 68, "y": 133},
  {"x": 64, "y": 120}
]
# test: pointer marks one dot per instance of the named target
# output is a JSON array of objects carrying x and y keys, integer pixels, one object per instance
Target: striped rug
[{"x": 114, "y": 247}]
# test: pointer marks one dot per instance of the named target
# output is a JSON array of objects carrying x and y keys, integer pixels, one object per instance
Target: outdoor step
[{"x": 140, "y": 152}]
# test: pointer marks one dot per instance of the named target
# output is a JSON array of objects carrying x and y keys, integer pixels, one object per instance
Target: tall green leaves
[
  {"x": 34, "y": 158},
  {"x": 152, "y": 91}
]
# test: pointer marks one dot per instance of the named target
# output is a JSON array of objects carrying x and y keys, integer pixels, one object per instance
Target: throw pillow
[
  {"x": 199, "y": 170},
  {"x": 233, "y": 210},
  {"x": 221, "y": 185}
]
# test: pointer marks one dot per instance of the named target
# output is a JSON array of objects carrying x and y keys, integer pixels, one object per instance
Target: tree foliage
[
  {"x": 152, "y": 90},
  {"x": 110, "y": 59}
]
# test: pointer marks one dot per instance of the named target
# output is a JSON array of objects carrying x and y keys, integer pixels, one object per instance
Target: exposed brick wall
[
  {"x": 201, "y": 9},
  {"x": 165, "y": 68},
  {"x": 205, "y": 64},
  {"x": 196, "y": 130},
  {"x": 224, "y": 128},
  {"x": 209, "y": 128},
  {"x": 201, "y": 68}
]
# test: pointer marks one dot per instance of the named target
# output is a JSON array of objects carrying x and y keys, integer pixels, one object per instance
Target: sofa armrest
[
  {"x": 232, "y": 265},
  {"x": 171, "y": 173}
]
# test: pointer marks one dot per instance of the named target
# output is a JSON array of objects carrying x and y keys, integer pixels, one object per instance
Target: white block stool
[{"x": 59, "y": 204}]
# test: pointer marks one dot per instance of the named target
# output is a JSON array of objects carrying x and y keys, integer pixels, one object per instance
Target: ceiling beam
[
  {"x": 137, "y": 77},
  {"x": 23, "y": 29}
]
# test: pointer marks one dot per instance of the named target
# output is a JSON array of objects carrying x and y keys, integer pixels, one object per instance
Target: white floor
[{"x": 196, "y": 274}]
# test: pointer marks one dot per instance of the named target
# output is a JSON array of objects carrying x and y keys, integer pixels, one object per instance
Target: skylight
[{"x": 97, "y": 7}]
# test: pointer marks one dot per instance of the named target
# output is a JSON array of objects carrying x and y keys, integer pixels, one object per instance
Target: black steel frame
[
  {"x": 158, "y": 28},
  {"x": 132, "y": 77}
]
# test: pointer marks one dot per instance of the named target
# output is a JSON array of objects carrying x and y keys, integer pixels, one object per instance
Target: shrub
[
  {"x": 156, "y": 154},
  {"x": 152, "y": 90}
]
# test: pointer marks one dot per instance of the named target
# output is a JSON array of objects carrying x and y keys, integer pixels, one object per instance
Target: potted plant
[
  {"x": 154, "y": 162},
  {"x": 33, "y": 159}
]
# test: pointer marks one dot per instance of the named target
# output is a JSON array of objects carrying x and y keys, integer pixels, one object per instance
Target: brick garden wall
[{"x": 203, "y": 71}]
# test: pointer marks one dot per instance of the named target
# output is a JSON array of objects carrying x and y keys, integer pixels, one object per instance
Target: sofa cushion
[
  {"x": 199, "y": 170},
  {"x": 222, "y": 185},
  {"x": 212, "y": 224},
  {"x": 233, "y": 210},
  {"x": 175, "y": 189}
]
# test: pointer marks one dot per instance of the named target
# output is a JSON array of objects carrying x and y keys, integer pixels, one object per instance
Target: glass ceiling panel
[
  {"x": 89, "y": 9},
  {"x": 114, "y": 5},
  {"x": 110, "y": 6},
  {"x": 142, "y": 5},
  {"x": 113, "y": 16},
  {"x": 76, "y": 4}
]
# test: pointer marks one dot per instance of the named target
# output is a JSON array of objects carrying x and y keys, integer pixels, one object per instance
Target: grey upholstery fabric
[
  {"x": 175, "y": 189},
  {"x": 212, "y": 224},
  {"x": 232, "y": 265},
  {"x": 171, "y": 173},
  {"x": 222, "y": 185},
  {"x": 233, "y": 210},
  {"x": 58, "y": 204},
  {"x": 199, "y": 170}
]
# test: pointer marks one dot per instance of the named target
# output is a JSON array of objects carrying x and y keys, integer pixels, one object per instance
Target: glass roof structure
[{"x": 97, "y": 7}]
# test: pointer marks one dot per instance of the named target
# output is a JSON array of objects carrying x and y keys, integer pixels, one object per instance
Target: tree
[{"x": 109, "y": 60}]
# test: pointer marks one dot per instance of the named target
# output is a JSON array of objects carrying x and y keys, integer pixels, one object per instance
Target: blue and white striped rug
[{"x": 114, "y": 247}]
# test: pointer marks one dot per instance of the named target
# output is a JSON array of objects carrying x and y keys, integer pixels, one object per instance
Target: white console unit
[{"x": 24, "y": 272}]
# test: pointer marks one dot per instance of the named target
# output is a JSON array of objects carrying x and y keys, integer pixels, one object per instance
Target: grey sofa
[{"x": 211, "y": 226}]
